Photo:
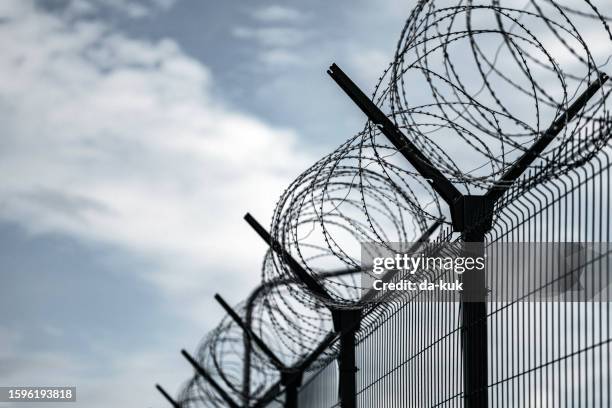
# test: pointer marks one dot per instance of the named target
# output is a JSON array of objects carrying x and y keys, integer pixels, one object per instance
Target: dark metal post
[
  {"x": 291, "y": 395},
  {"x": 519, "y": 166},
  {"x": 291, "y": 384},
  {"x": 246, "y": 370},
  {"x": 419, "y": 161},
  {"x": 477, "y": 214},
  {"x": 295, "y": 266},
  {"x": 346, "y": 322},
  {"x": 167, "y": 396},
  {"x": 291, "y": 381}
]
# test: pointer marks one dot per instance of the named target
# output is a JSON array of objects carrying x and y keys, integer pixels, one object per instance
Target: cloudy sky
[{"x": 135, "y": 135}]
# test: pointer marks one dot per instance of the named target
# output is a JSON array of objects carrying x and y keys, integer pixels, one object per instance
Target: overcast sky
[{"x": 135, "y": 135}]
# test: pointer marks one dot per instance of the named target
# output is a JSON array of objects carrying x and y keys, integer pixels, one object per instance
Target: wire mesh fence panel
[
  {"x": 320, "y": 389},
  {"x": 554, "y": 352},
  {"x": 412, "y": 358}
]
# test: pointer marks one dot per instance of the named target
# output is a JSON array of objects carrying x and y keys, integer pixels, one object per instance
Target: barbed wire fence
[{"x": 501, "y": 115}]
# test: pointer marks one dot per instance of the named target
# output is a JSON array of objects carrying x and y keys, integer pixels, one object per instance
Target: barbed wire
[
  {"x": 472, "y": 85},
  {"x": 481, "y": 80}
]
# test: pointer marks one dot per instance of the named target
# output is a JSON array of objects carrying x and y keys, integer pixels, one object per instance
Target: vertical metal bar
[
  {"x": 347, "y": 322},
  {"x": 291, "y": 381},
  {"x": 246, "y": 371},
  {"x": 474, "y": 327},
  {"x": 291, "y": 395},
  {"x": 347, "y": 370}
]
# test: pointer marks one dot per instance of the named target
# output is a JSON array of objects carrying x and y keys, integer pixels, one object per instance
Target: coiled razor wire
[
  {"x": 221, "y": 354},
  {"x": 472, "y": 84},
  {"x": 477, "y": 82},
  {"x": 359, "y": 193},
  {"x": 297, "y": 326}
]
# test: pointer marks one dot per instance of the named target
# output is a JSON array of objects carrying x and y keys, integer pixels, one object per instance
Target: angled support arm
[
  {"x": 275, "y": 360},
  {"x": 419, "y": 161},
  {"x": 295, "y": 266},
  {"x": 519, "y": 166},
  {"x": 167, "y": 396},
  {"x": 200, "y": 370}
]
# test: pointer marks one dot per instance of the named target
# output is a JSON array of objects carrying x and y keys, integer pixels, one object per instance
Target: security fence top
[
  {"x": 556, "y": 160},
  {"x": 332, "y": 336},
  {"x": 471, "y": 214},
  {"x": 520, "y": 165},
  {"x": 307, "y": 360},
  {"x": 202, "y": 372},
  {"x": 437, "y": 180},
  {"x": 299, "y": 368},
  {"x": 346, "y": 321},
  {"x": 423, "y": 165},
  {"x": 167, "y": 396},
  {"x": 295, "y": 266},
  {"x": 275, "y": 360}
]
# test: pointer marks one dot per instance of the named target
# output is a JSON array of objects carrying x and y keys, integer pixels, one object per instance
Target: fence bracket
[
  {"x": 204, "y": 374},
  {"x": 167, "y": 396}
]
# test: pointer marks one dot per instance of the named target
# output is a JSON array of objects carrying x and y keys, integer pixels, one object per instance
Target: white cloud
[
  {"x": 369, "y": 63},
  {"x": 119, "y": 141},
  {"x": 276, "y": 36},
  {"x": 272, "y": 36},
  {"x": 279, "y": 57},
  {"x": 105, "y": 376},
  {"x": 134, "y": 9},
  {"x": 277, "y": 13},
  {"x": 276, "y": 46}
]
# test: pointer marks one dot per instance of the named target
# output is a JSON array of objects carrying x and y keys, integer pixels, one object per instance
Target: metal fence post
[
  {"x": 291, "y": 382},
  {"x": 476, "y": 220},
  {"x": 346, "y": 322},
  {"x": 471, "y": 215}
]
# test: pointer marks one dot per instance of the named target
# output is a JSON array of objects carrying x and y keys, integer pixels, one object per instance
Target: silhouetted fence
[{"x": 526, "y": 331}]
